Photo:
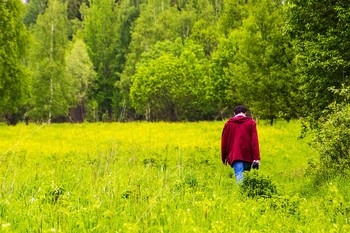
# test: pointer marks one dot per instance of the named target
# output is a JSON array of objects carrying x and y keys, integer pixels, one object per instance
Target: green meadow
[{"x": 159, "y": 177}]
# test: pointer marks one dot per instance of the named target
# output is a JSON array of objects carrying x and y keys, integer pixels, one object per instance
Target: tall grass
[{"x": 157, "y": 177}]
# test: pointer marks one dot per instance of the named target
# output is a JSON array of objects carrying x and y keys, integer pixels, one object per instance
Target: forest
[
  {"x": 166, "y": 75},
  {"x": 172, "y": 60}
]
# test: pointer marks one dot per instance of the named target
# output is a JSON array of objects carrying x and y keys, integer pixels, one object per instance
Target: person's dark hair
[{"x": 239, "y": 109}]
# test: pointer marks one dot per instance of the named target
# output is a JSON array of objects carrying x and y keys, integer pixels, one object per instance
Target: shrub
[
  {"x": 332, "y": 139},
  {"x": 255, "y": 185}
]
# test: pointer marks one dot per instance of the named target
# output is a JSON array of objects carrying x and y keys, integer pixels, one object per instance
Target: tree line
[{"x": 172, "y": 60}]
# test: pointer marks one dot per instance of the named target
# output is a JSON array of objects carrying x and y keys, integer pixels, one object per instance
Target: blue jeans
[{"x": 239, "y": 167}]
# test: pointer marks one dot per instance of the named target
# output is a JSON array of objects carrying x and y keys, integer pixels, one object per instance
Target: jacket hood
[{"x": 239, "y": 119}]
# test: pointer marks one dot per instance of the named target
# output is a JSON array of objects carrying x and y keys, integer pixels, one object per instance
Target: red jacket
[{"x": 239, "y": 140}]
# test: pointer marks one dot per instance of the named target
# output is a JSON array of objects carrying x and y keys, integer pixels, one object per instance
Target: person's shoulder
[
  {"x": 229, "y": 121},
  {"x": 251, "y": 120}
]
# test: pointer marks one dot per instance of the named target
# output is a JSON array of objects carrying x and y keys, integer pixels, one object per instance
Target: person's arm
[
  {"x": 224, "y": 152},
  {"x": 255, "y": 142}
]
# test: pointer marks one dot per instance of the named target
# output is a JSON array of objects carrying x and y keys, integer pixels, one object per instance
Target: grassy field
[{"x": 158, "y": 177}]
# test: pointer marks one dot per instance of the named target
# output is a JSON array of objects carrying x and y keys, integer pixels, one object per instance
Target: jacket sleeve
[
  {"x": 224, "y": 140},
  {"x": 255, "y": 142}
]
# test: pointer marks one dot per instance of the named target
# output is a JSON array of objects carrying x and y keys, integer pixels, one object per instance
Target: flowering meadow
[{"x": 160, "y": 177}]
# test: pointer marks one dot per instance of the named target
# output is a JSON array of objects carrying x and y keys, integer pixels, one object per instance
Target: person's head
[{"x": 240, "y": 109}]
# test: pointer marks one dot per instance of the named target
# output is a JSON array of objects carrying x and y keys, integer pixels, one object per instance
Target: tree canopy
[
  {"x": 172, "y": 60},
  {"x": 321, "y": 41},
  {"x": 14, "y": 81}
]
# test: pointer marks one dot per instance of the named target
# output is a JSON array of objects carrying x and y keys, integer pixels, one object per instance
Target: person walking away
[{"x": 239, "y": 143}]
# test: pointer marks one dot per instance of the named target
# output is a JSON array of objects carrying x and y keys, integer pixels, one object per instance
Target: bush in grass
[
  {"x": 332, "y": 139},
  {"x": 191, "y": 180},
  {"x": 255, "y": 185},
  {"x": 155, "y": 162},
  {"x": 286, "y": 204}
]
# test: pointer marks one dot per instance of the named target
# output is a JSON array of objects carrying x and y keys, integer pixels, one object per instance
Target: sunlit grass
[{"x": 153, "y": 177}]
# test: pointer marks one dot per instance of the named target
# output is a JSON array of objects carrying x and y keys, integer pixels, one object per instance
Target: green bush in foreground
[
  {"x": 333, "y": 140},
  {"x": 255, "y": 185}
]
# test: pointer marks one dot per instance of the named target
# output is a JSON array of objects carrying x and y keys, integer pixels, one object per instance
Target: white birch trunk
[{"x": 51, "y": 78}]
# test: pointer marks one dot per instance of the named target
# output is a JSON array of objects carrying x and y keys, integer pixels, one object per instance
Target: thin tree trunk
[
  {"x": 51, "y": 78},
  {"x": 148, "y": 112}
]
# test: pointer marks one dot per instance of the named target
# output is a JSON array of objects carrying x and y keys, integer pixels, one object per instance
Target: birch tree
[
  {"x": 80, "y": 73},
  {"x": 47, "y": 61}
]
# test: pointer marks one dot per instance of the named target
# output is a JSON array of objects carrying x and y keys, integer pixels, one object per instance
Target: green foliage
[
  {"x": 235, "y": 11},
  {"x": 80, "y": 74},
  {"x": 332, "y": 139},
  {"x": 290, "y": 205},
  {"x": 272, "y": 56},
  {"x": 224, "y": 88},
  {"x": 14, "y": 81},
  {"x": 321, "y": 40},
  {"x": 170, "y": 83},
  {"x": 33, "y": 9},
  {"x": 262, "y": 70},
  {"x": 73, "y": 8},
  {"x": 163, "y": 21},
  {"x": 157, "y": 21},
  {"x": 101, "y": 37},
  {"x": 127, "y": 14},
  {"x": 205, "y": 32},
  {"x": 255, "y": 185},
  {"x": 321, "y": 44},
  {"x": 50, "y": 86},
  {"x": 253, "y": 62}
]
